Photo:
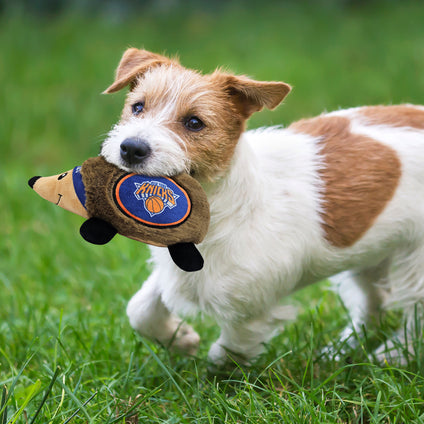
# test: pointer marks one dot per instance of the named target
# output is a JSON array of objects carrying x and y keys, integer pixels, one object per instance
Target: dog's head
[{"x": 177, "y": 120}]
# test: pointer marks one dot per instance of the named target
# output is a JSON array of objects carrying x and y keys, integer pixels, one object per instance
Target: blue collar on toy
[{"x": 79, "y": 185}]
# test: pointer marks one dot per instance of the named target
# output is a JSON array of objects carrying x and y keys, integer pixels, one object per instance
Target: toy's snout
[
  {"x": 32, "y": 181},
  {"x": 60, "y": 190}
]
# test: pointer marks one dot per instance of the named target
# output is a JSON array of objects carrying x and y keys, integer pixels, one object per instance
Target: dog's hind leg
[
  {"x": 362, "y": 294},
  {"x": 151, "y": 318},
  {"x": 406, "y": 292}
]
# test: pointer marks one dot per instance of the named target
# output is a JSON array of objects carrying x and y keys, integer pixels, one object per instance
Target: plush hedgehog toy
[{"x": 168, "y": 212}]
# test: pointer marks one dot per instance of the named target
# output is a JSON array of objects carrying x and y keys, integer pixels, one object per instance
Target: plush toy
[{"x": 168, "y": 212}]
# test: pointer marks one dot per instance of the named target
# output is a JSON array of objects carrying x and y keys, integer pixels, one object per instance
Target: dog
[{"x": 341, "y": 195}]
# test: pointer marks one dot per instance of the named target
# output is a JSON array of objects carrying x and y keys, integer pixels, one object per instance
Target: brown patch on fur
[
  {"x": 360, "y": 177},
  {"x": 395, "y": 116},
  {"x": 135, "y": 62},
  {"x": 251, "y": 96},
  {"x": 231, "y": 100}
]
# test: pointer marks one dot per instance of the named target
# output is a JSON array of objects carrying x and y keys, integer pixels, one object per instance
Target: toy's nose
[
  {"x": 134, "y": 150},
  {"x": 32, "y": 181}
]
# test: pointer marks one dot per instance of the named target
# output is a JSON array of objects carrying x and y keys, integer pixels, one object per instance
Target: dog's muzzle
[{"x": 134, "y": 151}]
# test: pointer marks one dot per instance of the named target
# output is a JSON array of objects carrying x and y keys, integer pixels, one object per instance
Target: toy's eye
[
  {"x": 193, "y": 123},
  {"x": 137, "y": 108},
  {"x": 62, "y": 175}
]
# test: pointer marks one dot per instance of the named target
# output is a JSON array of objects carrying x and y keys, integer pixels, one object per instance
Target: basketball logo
[
  {"x": 154, "y": 205},
  {"x": 154, "y": 201},
  {"x": 156, "y": 196}
]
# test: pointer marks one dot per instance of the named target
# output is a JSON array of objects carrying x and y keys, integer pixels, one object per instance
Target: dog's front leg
[
  {"x": 151, "y": 318},
  {"x": 235, "y": 345},
  {"x": 242, "y": 341}
]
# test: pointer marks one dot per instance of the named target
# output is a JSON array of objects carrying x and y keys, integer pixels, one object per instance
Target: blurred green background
[
  {"x": 62, "y": 301},
  {"x": 54, "y": 65}
]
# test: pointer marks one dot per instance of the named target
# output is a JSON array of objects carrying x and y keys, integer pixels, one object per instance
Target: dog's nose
[{"x": 134, "y": 150}]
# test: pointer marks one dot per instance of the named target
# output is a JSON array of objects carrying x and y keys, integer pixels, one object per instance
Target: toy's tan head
[{"x": 60, "y": 190}]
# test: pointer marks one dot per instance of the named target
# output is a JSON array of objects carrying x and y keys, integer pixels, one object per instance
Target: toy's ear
[
  {"x": 97, "y": 231},
  {"x": 186, "y": 256},
  {"x": 134, "y": 63}
]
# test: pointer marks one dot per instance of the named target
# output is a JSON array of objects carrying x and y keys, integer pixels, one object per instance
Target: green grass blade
[
  {"x": 80, "y": 408},
  {"x": 3, "y": 406},
  {"x": 46, "y": 395},
  {"x": 14, "y": 382},
  {"x": 34, "y": 389},
  {"x": 168, "y": 373}
]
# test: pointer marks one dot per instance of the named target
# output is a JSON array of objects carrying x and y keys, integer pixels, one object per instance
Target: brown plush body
[
  {"x": 99, "y": 178},
  {"x": 93, "y": 191}
]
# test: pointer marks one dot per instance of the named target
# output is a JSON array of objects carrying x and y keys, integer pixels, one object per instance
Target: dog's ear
[
  {"x": 251, "y": 96},
  {"x": 135, "y": 62}
]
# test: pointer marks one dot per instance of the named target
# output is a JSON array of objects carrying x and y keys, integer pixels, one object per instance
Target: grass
[{"x": 67, "y": 353}]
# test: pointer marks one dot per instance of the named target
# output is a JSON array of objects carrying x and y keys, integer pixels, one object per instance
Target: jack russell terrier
[{"x": 341, "y": 194}]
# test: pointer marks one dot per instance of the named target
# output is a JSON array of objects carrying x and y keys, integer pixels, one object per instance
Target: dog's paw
[
  {"x": 330, "y": 352},
  {"x": 185, "y": 340},
  {"x": 217, "y": 355},
  {"x": 392, "y": 353},
  {"x": 342, "y": 347},
  {"x": 220, "y": 358}
]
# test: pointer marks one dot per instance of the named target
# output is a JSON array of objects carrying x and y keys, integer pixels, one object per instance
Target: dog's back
[{"x": 331, "y": 193}]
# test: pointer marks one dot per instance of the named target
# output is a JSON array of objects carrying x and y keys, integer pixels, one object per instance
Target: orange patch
[
  {"x": 229, "y": 100},
  {"x": 360, "y": 177},
  {"x": 396, "y": 116},
  {"x": 135, "y": 62}
]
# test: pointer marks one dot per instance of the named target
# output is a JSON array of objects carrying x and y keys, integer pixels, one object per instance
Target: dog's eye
[
  {"x": 137, "y": 108},
  {"x": 193, "y": 123}
]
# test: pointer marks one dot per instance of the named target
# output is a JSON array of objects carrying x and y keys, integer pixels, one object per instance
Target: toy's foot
[
  {"x": 186, "y": 256},
  {"x": 97, "y": 231}
]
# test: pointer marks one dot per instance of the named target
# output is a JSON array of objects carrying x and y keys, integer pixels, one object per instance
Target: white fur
[
  {"x": 266, "y": 241},
  {"x": 168, "y": 153}
]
